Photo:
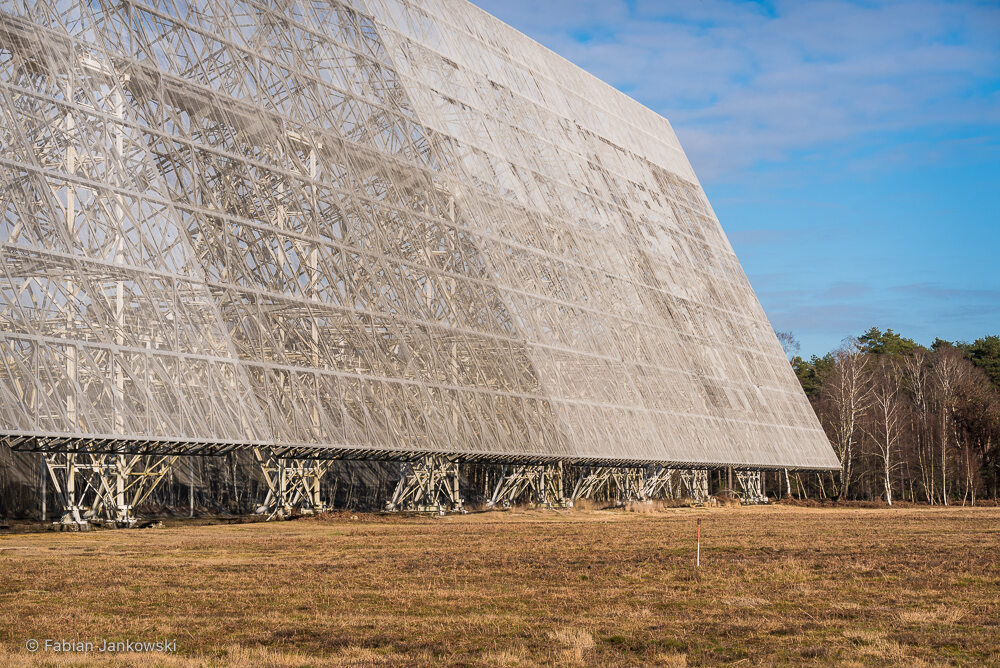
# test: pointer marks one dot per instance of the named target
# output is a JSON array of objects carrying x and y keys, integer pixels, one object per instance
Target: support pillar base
[
  {"x": 293, "y": 485},
  {"x": 695, "y": 482},
  {"x": 610, "y": 483},
  {"x": 103, "y": 489},
  {"x": 752, "y": 486},
  {"x": 543, "y": 486},
  {"x": 658, "y": 483},
  {"x": 427, "y": 485}
]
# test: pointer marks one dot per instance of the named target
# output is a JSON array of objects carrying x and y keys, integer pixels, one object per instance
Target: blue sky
[{"x": 850, "y": 149}]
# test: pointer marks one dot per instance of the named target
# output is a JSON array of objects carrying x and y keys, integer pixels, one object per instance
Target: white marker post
[{"x": 697, "y": 562}]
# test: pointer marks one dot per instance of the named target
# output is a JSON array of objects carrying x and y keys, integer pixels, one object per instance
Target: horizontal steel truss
[
  {"x": 103, "y": 489},
  {"x": 428, "y": 484},
  {"x": 752, "y": 486},
  {"x": 106, "y": 444},
  {"x": 542, "y": 485},
  {"x": 293, "y": 484}
]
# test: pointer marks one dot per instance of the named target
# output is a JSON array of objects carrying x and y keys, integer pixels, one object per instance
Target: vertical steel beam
[{"x": 191, "y": 486}]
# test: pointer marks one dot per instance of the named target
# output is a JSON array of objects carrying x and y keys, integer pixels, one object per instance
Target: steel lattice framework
[{"x": 379, "y": 229}]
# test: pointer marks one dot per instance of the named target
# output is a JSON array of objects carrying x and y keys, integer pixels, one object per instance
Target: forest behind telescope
[{"x": 908, "y": 422}]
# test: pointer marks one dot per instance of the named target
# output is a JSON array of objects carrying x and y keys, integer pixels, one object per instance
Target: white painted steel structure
[{"x": 380, "y": 229}]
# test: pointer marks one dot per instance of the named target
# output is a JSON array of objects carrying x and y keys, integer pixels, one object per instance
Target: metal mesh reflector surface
[{"x": 374, "y": 227}]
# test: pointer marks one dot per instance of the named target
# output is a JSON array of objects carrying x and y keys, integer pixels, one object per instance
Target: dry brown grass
[{"x": 778, "y": 585}]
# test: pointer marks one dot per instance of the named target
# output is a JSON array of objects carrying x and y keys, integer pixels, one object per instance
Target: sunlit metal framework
[
  {"x": 103, "y": 489},
  {"x": 751, "y": 487},
  {"x": 428, "y": 484},
  {"x": 695, "y": 483},
  {"x": 380, "y": 227},
  {"x": 542, "y": 486},
  {"x": 617, "y": 484},
  {"x": 293, "y": 484}
]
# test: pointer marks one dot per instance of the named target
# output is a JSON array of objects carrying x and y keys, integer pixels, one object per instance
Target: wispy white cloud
[
  {"x": 935, "y": 291},
  {"x": 743, "y": 84}
]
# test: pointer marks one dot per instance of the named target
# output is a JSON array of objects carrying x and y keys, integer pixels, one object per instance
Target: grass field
[{"x": 777, "y": 585}]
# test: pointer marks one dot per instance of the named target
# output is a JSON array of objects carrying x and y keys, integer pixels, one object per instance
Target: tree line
[{"x": 908, "y": 422}]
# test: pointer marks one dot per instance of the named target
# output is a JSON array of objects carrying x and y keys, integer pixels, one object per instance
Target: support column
[
  {"x": 543, "y": 484},
  {"x": 103, "y": 489},
  {"x": 45, "y": 491},
  {"x": 191, "y": 487},
  {"x": 618, "y": 485},
  {"x": 63, "y": 472},
  {"x": 293, "y": 484},
  {"x": 751, "y": 484},
  {"x": 428, "y": 484},
  {"x": 695, "y": 482}
]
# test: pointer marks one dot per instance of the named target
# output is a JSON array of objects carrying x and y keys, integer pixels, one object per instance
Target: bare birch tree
[
  {"x": 789, "y": 344},
  {"x": 977, "y": 423},
  {"x": 848, "y": 395},
  {"x": 914, "y": 369},
  {"x": 883, "y": 428},
  {"x": 949, "y": 369}
]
